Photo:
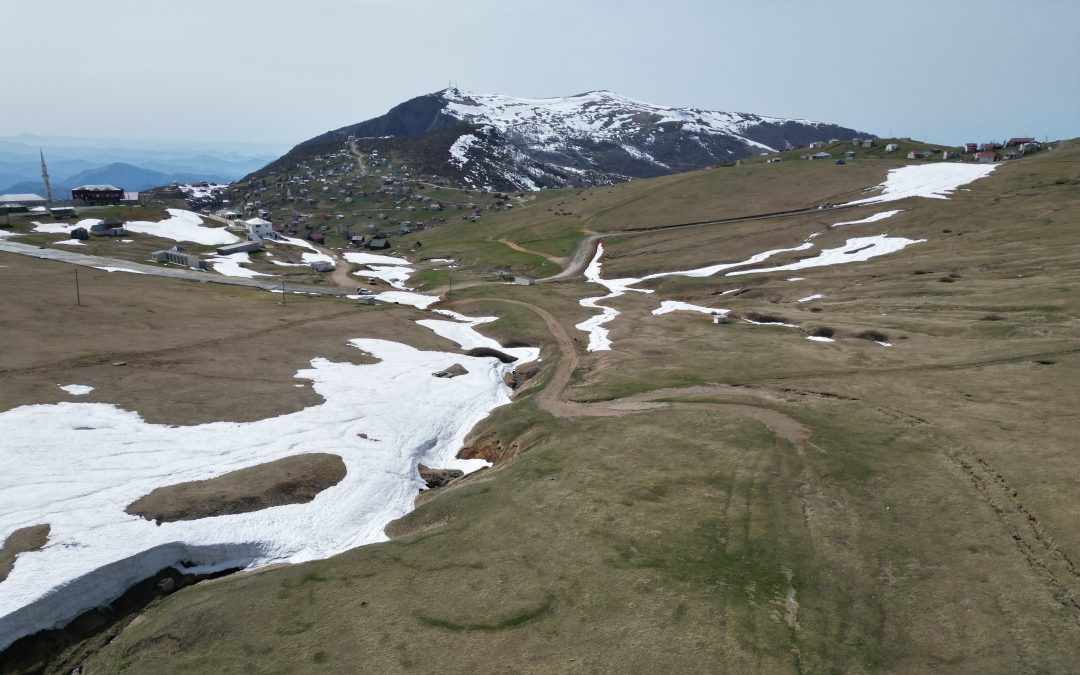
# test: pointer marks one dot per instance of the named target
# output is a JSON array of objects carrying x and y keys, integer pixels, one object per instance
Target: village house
[
  {"x": 1014, "y": 142},
  {"x": 971, "y": 148},
  {"x": 98, "y": 194},
  {"x": 818, "y": 155},
  {"x": 987, "y": 156},
  {"x": 918, "y": 154},
  {"x": 259, "y": 228},
  {"x": 892, "y": 147},
  {"x": 869, "y": 143}
]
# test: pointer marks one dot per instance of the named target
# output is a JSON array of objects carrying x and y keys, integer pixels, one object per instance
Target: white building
[{"x": 257, "y": 227}]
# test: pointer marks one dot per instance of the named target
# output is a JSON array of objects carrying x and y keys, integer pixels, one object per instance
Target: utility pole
[
  {"x": 450, "y": 275},
  {"x": 282, "y": 292},
  {"x": 78, "y": 298}
]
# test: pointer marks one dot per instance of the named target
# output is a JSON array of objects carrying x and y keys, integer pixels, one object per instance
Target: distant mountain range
[
  {"x": 132, "y": 165},
  {"x": 599, "y": 137}
]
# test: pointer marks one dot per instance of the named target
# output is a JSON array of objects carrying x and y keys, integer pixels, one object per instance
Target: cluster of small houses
[{"x": 981, "y": 152}]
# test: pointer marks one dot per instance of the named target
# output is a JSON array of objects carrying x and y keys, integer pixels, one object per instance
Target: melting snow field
[
  {"x": 184, "y": 226},
  {"x": 119, "y": 269},
  {"x": 76, "y": 466},
  {"x": 668, "y": 306},
  {"x": 76, "y": 389},
  {"x": 934, "y": 181},
  {"x": 230, "y": 266},
  {"x": 858, "y": 249},
  {"x": 869, "y": 219}
]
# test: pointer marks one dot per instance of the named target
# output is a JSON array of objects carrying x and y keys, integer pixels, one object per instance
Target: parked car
[{"x": 364, "y": 291}]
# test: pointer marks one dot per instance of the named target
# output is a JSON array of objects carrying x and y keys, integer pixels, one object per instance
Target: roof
[
  {"x": 99, "y": 188},
  {"x": 21, "y": 198},
  {"x": 256, "y": 221}
]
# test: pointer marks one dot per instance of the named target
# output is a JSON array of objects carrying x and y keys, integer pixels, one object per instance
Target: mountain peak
[{"x": 595, "y": 137}]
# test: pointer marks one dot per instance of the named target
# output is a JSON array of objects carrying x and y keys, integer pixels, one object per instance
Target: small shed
[
  {"x": 80, "y": 233},
  {"x": 987, "y": 156},
  {"x": 62, "y": 211},
  {"x": 366, "y": 300},
  {"x": 242, "y": 247},
  {"x": 177, "y": 256},
  {"x": 850, "y": 154},
  {"x": 892, "y": 147},
  {"x": 524, "y": 281},
  {"x": 322, "y": 265},
  {"x": 378, "y": 243},
  {"x": 819, "y": 155}
]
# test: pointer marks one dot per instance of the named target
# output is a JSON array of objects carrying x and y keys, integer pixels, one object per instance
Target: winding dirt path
[{"x": 550, "y": 397}]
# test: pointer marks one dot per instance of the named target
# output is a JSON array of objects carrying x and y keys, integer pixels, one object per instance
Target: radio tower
[{"x": 45, "y": 178}]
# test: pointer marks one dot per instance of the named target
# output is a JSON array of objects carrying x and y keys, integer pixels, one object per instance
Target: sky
[{"x": 282, "y": 71}]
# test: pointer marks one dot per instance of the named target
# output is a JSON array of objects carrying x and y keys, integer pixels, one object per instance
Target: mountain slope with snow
[{"x": 599, "y": 137}]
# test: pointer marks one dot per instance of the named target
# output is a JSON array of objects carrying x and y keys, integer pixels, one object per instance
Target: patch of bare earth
[
  {"x": 292, "y": 480},
  {"x": 22, "y": 540}
]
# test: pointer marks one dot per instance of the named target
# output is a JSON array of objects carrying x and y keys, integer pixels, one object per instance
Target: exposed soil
[
  {"x": 436, "y": 478},
  {"x": 21, "y": 540},
  {"x": 292, "y": 480}
]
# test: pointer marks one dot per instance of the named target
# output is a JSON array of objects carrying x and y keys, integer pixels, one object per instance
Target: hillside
[
  {"x": 866, "y": 467},
  {"x": 500, "y": 142}
]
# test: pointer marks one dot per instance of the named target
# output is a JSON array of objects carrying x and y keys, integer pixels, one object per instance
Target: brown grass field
[{"x": 702, "y": 498}]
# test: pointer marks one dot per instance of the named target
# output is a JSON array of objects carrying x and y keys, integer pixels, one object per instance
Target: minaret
[{"x": 45, "y": 178}]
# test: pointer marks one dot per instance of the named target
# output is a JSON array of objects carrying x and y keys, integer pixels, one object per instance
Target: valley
[{"x": 826, "y": 439}]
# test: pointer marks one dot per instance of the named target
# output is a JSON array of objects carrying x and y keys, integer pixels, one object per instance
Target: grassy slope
[{"x": 926, "y": 527}]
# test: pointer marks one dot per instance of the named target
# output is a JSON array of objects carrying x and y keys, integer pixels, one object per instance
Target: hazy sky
[{"x": 284, "y": 70}]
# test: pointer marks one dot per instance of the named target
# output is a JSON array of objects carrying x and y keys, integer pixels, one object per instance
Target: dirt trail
[
  {"x": 550, "y": 398},
  {"x": 521, "y": 249}
]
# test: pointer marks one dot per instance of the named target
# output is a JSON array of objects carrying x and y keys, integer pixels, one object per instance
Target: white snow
[
  {"x": 770, "y": 323},
  {"x": 934, "y": 181},
  {"x": 76, "y": 466},
  {"x": 69, "y": 242},
  {"x": 546, "y": 123},
  {"x": 857, "y": 249},
  {"x": 119, "y": 269},
  {"x": 76, "y": 389},
  {"x": 795, "y": 279},
  {"x": 64, "y": 228},
  {"x": 462, "y": 332},
  {"x": 309, "y": 258},
  {"x": 869, "y": 219},
  {"x": 817, "y": 338},
  {"x": 594, "y": 326},
  {"x": 360, "y": 258},
  {"x": 808, "y": 298},
  {"x": 417, "y": 300},
  {"x": 393, "y": 275},
  {"x": 460, "y": 149},
  {"x": 230, "y": 266},
  {"x": 184, "y": 226},
  {"x": 668, "y": 306}
]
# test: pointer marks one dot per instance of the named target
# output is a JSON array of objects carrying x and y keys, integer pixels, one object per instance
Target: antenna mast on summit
[{"x": 45, "y": 177}]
